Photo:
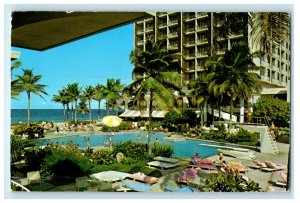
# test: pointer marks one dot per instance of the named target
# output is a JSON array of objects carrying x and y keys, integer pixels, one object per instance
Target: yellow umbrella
[{"x": 111, "y": 121}]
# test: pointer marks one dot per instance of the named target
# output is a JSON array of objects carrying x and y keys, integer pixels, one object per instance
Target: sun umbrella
[{"x": 111, "y": 121}]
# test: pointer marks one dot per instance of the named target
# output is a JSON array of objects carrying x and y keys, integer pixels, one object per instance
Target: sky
[{"x": 89, "y": 61}]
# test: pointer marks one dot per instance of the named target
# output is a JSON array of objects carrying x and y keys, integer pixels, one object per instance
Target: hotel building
[{"x": 192, "y": 34}]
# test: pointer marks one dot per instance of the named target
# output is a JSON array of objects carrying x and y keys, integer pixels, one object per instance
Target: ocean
[{"x": 54, "y": 115}]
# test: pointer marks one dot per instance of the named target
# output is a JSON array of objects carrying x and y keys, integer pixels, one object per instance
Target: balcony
[
  {"x": 190, "y": 69},
  {"x": 219, "y": 23},
  {"x": 149, "y": 29},
  {"x": 173, "y": 47},
  {"x": 189, "y": 18},
  {"x": 202, "y": 28},
  {"x": 162, "y": 37},
  {"x": 236, "y": 36},
  {"x": 221, "y": 51},
  {"x": 140, "y": 42},
  {"x": 173, "y": 22},
  {"x": 189, "y": 30},
  {"x": 162, "y": 25},
  {"x": 189, "y": 43},
  {"x": 139, "y": 31},
  {"x": 202, "y": 41},
  {"x": 173, "y": 35},
  {"x": 162, "y": 14},
  {"x": 202, "y": 54},
  {"x": 148, "y": 19},
  {"x": 202, "y": 15},
  {"x": 190, "y": 56}
]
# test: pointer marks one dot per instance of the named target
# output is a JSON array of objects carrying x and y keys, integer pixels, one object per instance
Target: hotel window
[{"x": 269, "y": 73}]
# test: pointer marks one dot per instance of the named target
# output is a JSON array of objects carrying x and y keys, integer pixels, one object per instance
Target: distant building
[{"x": 191, "y": 34}]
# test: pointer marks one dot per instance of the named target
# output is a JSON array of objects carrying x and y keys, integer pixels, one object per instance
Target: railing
[
  {"x": 257, "y": 120},
  {"x": 174, "y": 34},
  {"x": 201, "y": 14},
  {"x": 173, "y": 22},
  {"x": 161, "y": 25},
  {"x": 190, "y": 30},
  {"x": 15, "y": 186}
]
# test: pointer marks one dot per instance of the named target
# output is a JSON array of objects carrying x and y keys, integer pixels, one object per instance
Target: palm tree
[
  {"x": 82, "y": 107},
  {"x": 29, "y": 83},
  {"x": 269, "y": 28},
  {"x": 88, "y": 95},
  {"x": 153, "y": 78},
  {"x": 15, "y": 92},
  {"x": 99, "y": 94},
  {"x": 232, "y": 74},
  {"x": 112, "y": 94},
  {"x": 63, "y": 98},
  {"x": 73, "y": 91}
]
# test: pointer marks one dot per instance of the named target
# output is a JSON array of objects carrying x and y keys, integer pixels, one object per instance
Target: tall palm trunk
[
  {"x": 99, "y": 101},
  {"x": 72, "y": 109},
  {"x": 231, "y": 110},
  {"x": 75, "y": 116},
  {"x": 90, "y": 111},
  {"x": 64, "y": 107},
  {"x": 150, "y": 124},
  {"x": 107, "y": 109},
  {"x": 28, "y": 108}
]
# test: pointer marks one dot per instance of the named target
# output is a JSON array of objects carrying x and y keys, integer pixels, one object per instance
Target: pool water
[{"x": 182, "y": 148}]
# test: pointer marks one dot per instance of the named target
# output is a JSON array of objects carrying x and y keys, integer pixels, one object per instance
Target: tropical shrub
[
  {"x": 17, "y": 145},
  {"x": 34, "y": 157},
  {"x": 230, "y": 183},
  {"x": 29, "y": 130},
  {"x": 137, "y": 151},
  {"x": 66, "y": 163},
  {"x": 103, "y": 156},
  {"x": 273, "y": 109},
  {"x": 162, "y": 150},
  {"x": 125, "y": 125},
  {"x": 172, "y": 119},
  {"x": 189, "y": 116}
]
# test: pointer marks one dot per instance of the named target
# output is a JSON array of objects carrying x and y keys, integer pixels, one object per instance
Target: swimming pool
[{"x": 182, "y": 148}]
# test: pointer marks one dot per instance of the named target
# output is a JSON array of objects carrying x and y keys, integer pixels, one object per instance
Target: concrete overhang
[
  {"x": 40, "y": 30},
  {"x": 15, "y": 55}
]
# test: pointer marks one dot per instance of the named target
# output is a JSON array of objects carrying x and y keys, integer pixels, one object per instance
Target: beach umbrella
[{"x": 111, "y": 121}]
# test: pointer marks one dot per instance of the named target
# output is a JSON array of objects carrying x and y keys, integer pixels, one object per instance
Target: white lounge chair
[
  {"x": 162, "y": 165},
  {"x": 34, "y": 177},
  {"x": 165, "y": 159}
]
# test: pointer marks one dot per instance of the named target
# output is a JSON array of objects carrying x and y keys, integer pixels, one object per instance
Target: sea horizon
[{"x": 52, "y": 115}]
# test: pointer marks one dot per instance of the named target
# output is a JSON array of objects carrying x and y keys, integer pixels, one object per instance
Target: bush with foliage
[
  {"x": 189, "y": 116},
  {"x": 273, "y": 109},
  {"x": 103, "y": 157},
  {"x": 125, "y": 125},
  {"x": 131, "y": 149},
  {"x": 34, "y": 157},
  {"x": 172, "y": 119},
  {"x": 230, "y": 183},
  {"x": 162, "y": 150},
  {"x": 66, "y": 163},
  {"x": 29, "y": 130},
  {"x": 17, "y": 145}
]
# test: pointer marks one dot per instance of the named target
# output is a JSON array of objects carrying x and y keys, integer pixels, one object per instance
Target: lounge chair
[
  {"x": 184, "y": 189},
  {"x": 136, "y": 186},
  {"x": 208, "y": 166},
  {"x": 162, "y": 165},
  {"x": 165, "y": 159},
  {"x": 258, "y": 164},
  {"x": 190, "y": 172},
  {"x": 82, "y": 182},
  {"x": 143, "y": 178},
  {"x": 273, "y": 167},
  {"x": 34, "y": 177}
]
